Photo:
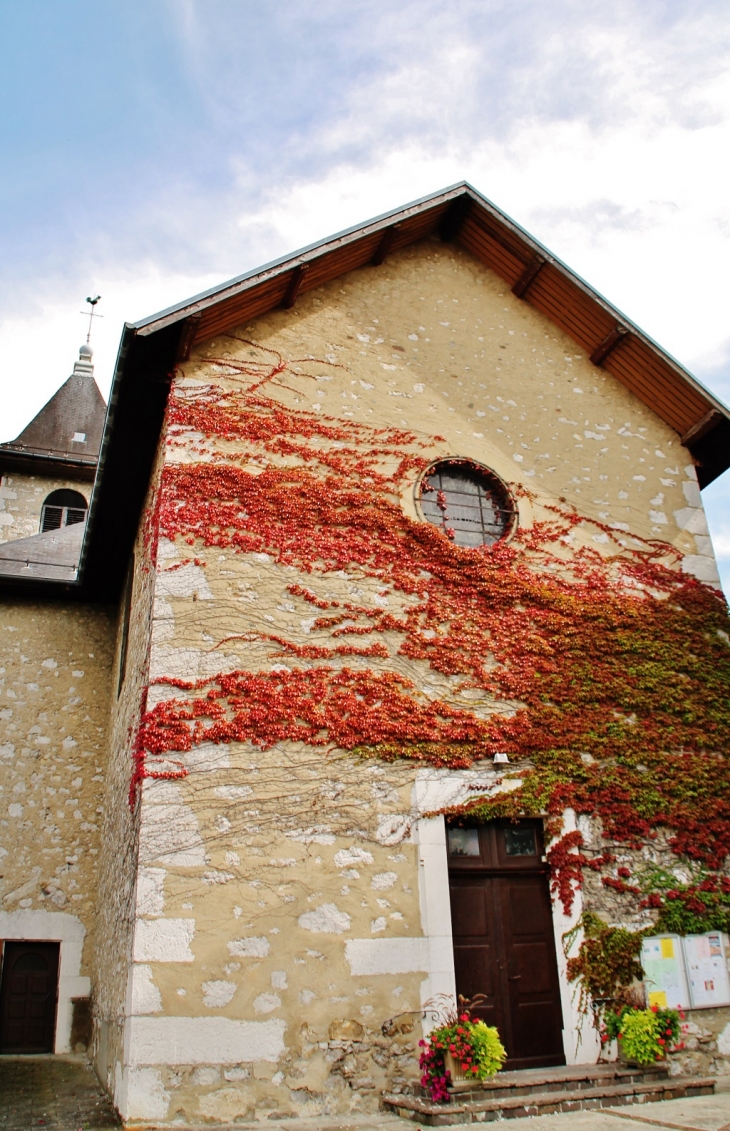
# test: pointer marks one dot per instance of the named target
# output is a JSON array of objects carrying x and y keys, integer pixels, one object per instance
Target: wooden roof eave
[{"x": 305, "y": 256}]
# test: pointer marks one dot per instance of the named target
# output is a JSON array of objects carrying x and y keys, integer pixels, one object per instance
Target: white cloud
[{"x": 603, "y": 130}]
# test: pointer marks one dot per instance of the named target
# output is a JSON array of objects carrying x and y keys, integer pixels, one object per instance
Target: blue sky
[{"x": 154, "y": 148}]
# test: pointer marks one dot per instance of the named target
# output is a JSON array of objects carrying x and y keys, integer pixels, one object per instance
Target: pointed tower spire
[{"x": 67, "y": 430}]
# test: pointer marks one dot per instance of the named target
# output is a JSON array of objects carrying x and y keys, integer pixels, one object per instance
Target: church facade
[{"x": 365, "y": 677}]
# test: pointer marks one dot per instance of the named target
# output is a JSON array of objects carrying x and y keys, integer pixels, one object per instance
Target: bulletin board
[
  {"x": 686, "y": 973},
  {"x": 706, "y": 968},
  {"x": 664, "y": 972}
]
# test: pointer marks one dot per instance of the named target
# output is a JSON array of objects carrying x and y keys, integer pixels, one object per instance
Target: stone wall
[
  {"x": 120, "y": 827},
  {"x": 707, "y": 1044},
  {"x": 54, "y": 700},
  {"x": 21, "y": 500},
  {"x": 278, "y": 922},
  {"x": 272, "y": 888}
]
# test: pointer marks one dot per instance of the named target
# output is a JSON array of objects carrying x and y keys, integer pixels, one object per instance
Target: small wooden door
[
  {"x": 504, "y": 947},
  {"x": 28, "y": 994}
]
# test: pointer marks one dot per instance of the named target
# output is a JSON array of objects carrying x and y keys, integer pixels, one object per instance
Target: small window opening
[
  {"x": 63, "y": 508},
  {"x": 520, "y": 841},
  {"x": 470, "y": 503},
  {"x": 463, "y": 842}
]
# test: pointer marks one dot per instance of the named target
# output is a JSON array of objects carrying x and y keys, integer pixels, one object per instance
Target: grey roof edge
[
  {"x": 13, "y": 448},
  {"x": 242, "y": 282},
  {"x": 292, "y": 259}
]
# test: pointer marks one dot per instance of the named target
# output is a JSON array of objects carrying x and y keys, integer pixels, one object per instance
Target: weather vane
[{"x": 92, "y": 314}]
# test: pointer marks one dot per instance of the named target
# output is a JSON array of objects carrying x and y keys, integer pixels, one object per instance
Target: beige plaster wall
[
  {"x": 279, "y": 918},
  {"x": 21, "y": 500},
  {"x": 54, "y": 701}
]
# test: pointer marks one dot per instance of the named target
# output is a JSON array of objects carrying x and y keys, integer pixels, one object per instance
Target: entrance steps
[{"x": 544, "y": 1091}]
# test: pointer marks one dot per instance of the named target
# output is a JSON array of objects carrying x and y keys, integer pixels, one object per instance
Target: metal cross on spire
[{"x": 92, "y": 314}]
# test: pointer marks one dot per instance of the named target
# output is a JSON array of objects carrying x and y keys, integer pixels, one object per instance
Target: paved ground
[
  {"x": 53, "y": 1093},
  {"x": 63, "y": 1094}
]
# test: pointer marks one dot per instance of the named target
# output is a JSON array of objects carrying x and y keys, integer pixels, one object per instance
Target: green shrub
[
  {"x": 489, "y": 1051},
  {"x": 645, "y": 1035}
]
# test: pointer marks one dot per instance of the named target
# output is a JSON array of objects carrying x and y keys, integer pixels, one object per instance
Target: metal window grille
[{"x": 470, "y": 504}]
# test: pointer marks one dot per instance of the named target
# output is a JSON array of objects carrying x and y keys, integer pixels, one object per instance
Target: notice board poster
[
  {"x": 686, "y": 973},
  {"x": 664, "y": 974},
  {"x": 706, "y": 969}
]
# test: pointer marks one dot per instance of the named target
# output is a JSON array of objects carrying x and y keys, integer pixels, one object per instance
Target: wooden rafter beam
[
  {"x": 702, "y": 427},
  {"x": 187, "y": 338},
  {"x": 528, "y": 276},
  {"x": 386, "y": 242},
  {"x": 609, "y": 343},
  {"x": 295, "y": 285}
]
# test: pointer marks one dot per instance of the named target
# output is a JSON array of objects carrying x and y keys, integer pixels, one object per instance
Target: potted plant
[
  {"x": 644, "y": 1036},
  {"x": 459, "y": 1049}
]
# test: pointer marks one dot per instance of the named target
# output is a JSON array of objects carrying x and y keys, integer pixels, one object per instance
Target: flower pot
[{"x": 457, "y": 1073}]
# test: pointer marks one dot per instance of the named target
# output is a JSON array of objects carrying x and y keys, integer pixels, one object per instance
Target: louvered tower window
[
  {"x": 470, "y": 503},
  {"x": 63, "y": 508}
]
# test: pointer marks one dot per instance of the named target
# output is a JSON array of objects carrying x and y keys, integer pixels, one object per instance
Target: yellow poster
[
  {"x": 659, "y": 997},
  {"x": 667, "y": 949}
]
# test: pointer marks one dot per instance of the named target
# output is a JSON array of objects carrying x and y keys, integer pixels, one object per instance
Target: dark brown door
[
  {"x": 28, "y": 993},
  {"x": 504, "y": 946}
]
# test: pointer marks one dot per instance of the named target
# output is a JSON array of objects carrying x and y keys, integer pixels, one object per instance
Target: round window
[{"x": 470, "y": 504}]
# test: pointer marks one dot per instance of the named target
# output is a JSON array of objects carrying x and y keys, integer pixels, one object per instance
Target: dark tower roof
[{"x": 65, "y": 436}]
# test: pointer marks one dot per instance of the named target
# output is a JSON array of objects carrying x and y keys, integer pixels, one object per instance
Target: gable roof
[
  {"x": 533, "y": 273},
  {"x": 47, "y": 446},
  {"x": 150, "y": 350}
]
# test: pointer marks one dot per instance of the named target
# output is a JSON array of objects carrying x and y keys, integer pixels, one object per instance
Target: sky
[{"x": 154, "y": 148}]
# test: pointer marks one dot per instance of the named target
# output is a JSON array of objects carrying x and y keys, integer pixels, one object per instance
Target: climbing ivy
[
  {"x": 608, "y": 668},
  {"x": 607, "y": 961}
]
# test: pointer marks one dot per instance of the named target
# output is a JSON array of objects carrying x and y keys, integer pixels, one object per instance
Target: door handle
[{"x": 514, "y": 977}]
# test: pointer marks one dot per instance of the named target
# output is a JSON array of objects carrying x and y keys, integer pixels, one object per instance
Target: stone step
[
  {"x": 566, "y": 1078},
  {"x": 485, "y": 1109}
]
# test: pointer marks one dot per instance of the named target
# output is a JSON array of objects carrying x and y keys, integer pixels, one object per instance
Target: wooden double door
[
  {"x": 28, "y": 994},
  {"x": 504, "y": 946}
]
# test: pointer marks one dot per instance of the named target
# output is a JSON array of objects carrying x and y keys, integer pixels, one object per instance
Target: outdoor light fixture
[{"x": 500, "y": 758}]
